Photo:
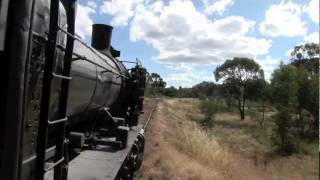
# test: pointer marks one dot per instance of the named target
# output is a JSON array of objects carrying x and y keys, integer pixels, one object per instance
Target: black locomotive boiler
[{"x": 68, "y": 110}]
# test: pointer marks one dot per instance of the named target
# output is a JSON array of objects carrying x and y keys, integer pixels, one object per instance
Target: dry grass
[{"x": 177, "y": 148}]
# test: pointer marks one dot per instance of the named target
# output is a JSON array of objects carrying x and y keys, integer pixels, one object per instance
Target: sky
[{"x": 184, "y": 41}]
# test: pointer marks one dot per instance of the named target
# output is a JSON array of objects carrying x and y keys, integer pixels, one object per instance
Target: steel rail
[{"x": 150, "y": 115}]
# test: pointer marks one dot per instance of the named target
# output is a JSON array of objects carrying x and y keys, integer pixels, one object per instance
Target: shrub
[
  {"x": 284, "y": 136},
  {"x": 209, "y": 108}
]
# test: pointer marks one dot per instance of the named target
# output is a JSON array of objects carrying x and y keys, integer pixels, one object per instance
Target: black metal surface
[
  {"x": 4, "y": 5},
  {"x": 94, "y": 83},
  {"x": 59, "y": 170},
  {"x": 97, "y": 80},
  {"x": 101, "y": 36},
  {"x": 15, "y": 57},
  {"x": 49, "y": 154},
  {"x": 103, "y": 163},
  {"x": 46, "y": 90},
  {"x": 33, "y": 86}
]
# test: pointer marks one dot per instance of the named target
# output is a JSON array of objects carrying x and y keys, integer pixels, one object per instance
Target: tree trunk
[
  {"x": 242, "y": 101},
  {"x": 241, "y": 109},
  {"x": 242, "y": 114},
  {"x": 263, "y": 113},
  {"x": 300, "y": 123}
]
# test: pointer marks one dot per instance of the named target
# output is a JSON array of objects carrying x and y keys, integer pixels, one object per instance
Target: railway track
[
  {"x": 145, "y": 126},
  {"x": 145, "y": 118}
]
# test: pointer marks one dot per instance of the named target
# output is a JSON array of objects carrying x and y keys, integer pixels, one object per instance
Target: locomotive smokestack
[{"x": 101, "y": 36}]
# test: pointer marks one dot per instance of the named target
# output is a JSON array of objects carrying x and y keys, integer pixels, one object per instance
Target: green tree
[
  {"x": 207, "y": 89},
  {"x": 259, "y": 91},
  {"x": 284, "y": 136},
  {"x": 157, "y": 81},
  {"x": 305, "y": 51},
  {"x": 171, "y": 91},
  {"x": 155, "y": 84},
  {"x": 306, "y": 59},
  {"x": 237, "y": 74},
  {"x": 284, "y": 86}
]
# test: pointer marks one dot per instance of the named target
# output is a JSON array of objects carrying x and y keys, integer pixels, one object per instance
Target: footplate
[{"x": 105, "y": 162}]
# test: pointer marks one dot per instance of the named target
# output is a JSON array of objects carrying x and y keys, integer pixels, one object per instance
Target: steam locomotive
[{"x": 68, "y": 110}]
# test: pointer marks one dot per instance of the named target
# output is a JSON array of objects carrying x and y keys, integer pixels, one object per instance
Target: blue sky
[{"x": 185, "y": 40}]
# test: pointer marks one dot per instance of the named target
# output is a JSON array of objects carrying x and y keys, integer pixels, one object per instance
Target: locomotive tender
[{"x": 68, "y": 110}]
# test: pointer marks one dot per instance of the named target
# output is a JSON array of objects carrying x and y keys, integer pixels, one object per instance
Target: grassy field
[{"x": 178, "y": 148}]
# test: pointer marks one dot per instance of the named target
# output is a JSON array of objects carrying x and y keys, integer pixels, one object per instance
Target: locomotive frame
[{"x": 43, "y": 135}]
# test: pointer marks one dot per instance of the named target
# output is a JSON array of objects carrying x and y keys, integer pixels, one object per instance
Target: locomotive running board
[{"x": 101, "y": 164}]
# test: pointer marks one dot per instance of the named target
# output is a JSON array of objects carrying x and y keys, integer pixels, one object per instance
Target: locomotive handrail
[
  {"x": 80, "y": 57},
  {"x": 61, "y": 76},
  {"x": 48, "y": 76},
  {"x": 57, "y": 121},
  {"x": 54, "y": 165},
  {"x": 128, "y": 61},
  {"x": 137, "y": 62},
  {"x": 46, "y": 91},
  {"x": 49, "y": 153}
]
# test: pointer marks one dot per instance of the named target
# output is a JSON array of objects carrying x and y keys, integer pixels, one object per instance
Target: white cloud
[
  {"x": 234, "y": 25},
  {"x": 186, "y": 76},
  {"x": 312, "y": 9},
  {"x": 83, "y": 24},
  {"x": 283, "y": 19},
  {"x": 92, "y": 4},
  {"x": 216, "y": 6},
  {"x": 191, "y": 37},
  {"x": 313, "y": 37},
  {"x": 120, "y": 10}
]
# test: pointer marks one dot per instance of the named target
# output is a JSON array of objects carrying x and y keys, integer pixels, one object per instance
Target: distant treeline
[{"x": 202, "y": 90}]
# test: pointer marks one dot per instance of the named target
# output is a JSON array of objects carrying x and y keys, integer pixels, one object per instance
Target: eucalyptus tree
[
  {"x": 305, "y": 58},
  {"x": 284, "y": 84},
  {"x": 237, "y": 75},
  {"x": 157, "y": 81}
]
